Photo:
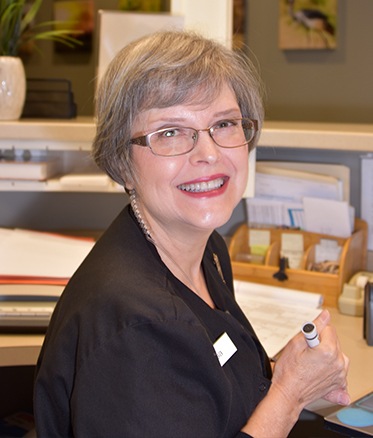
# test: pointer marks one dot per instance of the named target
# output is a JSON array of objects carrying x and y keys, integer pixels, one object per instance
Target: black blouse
[{"x": 130, "y": 349}]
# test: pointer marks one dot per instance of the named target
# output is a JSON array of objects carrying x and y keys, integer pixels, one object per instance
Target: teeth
[{"x": 203, "y": 186}]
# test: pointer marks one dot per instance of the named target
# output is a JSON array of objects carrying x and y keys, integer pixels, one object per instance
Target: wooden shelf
[{"x": 352, "y": 259}]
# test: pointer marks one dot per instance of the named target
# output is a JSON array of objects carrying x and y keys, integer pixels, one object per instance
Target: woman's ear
[{"x": 128, "y": 184}]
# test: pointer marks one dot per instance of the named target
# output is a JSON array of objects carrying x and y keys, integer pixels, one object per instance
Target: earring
[{"x": 136, "y": 211}]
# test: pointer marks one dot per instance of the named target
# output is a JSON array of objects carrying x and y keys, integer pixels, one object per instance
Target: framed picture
[
  {"x": 77, "y": 15},
  {"x": 307, "y": 24},
  {"x": 144, "y": 5},
  {"x": 239, "y": 23}
]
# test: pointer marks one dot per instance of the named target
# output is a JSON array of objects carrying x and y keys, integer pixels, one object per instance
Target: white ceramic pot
[{"x": 12, "y": 87}]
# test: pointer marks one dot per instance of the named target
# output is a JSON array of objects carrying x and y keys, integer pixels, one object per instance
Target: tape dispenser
[{"x": 351, "y": 300}]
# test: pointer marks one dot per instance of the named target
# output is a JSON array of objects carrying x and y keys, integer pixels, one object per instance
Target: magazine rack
[{"x": 352, "y": 259}]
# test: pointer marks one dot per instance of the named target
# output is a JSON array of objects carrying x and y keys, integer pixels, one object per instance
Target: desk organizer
[{"x": 352, "y": 259}]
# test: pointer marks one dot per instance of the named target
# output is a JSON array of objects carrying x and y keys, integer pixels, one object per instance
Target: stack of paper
[
  {"x": 310, "y": 200},
  {"x": 34, "y": 268},
  {"x": 39, "y": 257}
]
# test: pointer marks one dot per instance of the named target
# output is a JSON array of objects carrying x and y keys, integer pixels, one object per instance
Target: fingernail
[{"x": 344, "y": 399}]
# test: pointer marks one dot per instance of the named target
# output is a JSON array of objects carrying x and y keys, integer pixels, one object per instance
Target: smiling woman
[{"x": 147, "y": 338}]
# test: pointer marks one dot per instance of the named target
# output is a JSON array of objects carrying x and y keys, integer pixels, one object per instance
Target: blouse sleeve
[{"x": 161, "y": 379}]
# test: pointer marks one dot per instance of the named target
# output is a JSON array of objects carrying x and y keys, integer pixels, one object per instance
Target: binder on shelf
[{"x": 352, "y": 259}]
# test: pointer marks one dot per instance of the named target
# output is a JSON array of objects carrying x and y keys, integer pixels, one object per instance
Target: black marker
[{"x": 310, "y": 333}]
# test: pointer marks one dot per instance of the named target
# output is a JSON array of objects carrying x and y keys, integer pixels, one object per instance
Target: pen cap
[{"x": 310, "y": 333}]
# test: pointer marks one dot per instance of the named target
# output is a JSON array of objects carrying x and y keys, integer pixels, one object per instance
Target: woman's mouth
[{"x": 203, "y": 186}]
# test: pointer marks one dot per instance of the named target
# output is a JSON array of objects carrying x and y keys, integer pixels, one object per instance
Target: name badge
[{"x": 224, "y": 348}]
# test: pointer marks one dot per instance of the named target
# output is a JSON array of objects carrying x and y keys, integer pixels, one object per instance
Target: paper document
[
  {"x": 38, "y": 254},
  {"x": 328, "y": 217},
  {"x": 293, "y": 186},
  {"x": 274, "y": 212},
  {"x": 279, "y": 193},
  {"x": 276, "y": 314},
  {"x": 339, "y": 172}
]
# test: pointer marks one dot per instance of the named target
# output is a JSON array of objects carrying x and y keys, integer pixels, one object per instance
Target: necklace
[
  {"x": 146, "y": 230},
  {"x": 136, "y": 211},
  {"x": 147, "y": 233}
]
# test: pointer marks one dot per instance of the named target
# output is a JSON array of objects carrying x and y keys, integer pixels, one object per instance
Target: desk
[
  {"x": 19, "y": 350},
  {"x": 16, "y": 350},
  {"x": 360, "y": 377}
]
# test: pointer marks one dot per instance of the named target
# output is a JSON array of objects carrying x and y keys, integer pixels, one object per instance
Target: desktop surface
[{"x": 23, "y": 349}]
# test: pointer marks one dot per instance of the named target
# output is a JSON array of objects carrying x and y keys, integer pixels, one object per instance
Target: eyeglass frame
[{"x": 144, "y": 139}]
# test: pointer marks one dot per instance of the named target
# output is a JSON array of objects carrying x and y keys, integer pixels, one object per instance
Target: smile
[{"x": 204, "y": 186}]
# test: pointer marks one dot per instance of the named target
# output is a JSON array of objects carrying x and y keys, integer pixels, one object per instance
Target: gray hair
[{"x": 163, "y": 70}]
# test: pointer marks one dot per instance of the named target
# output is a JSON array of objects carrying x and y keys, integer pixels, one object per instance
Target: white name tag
[{"x": 224, "y": 348}]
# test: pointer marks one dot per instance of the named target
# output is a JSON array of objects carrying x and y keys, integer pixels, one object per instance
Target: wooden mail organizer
[{"x": 352, "y": 259}]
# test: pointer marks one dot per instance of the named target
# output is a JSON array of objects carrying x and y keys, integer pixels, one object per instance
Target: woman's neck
[{"x": 182, "y": 252}]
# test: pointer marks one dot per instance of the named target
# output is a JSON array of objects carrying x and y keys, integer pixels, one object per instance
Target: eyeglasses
[{"x": 177, "y": 140}]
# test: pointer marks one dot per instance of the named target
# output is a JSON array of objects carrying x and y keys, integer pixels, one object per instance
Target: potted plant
[{"x": 17, "y": 28}]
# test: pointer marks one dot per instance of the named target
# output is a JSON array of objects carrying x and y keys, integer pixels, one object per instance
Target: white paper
[
  {"x": 327, "y": 217},
  {"x": 338, "y": 171},
  {"x": 276, "y": 314},
  {"x": 293, "y": 189},
  {"x": 292, "y": 248},
  {"x": 327, "y": 250},
  {"x": 367, "y": 196},
  {"x": 274, "y": 212},
  {"x": 38, "y": 254}
]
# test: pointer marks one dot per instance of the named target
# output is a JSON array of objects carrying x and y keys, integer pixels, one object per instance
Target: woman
[{"x": 147, "y": 339}]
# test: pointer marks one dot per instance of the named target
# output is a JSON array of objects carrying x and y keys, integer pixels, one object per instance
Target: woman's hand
[
  {"x": 305, "y": 374},
  {"x": 301, "y": 375}
]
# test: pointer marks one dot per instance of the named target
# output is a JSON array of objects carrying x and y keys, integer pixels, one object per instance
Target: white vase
[{"x": 12, "y": 87}]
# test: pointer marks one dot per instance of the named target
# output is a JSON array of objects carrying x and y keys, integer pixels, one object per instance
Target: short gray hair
[{"x": 162, "y": 70}]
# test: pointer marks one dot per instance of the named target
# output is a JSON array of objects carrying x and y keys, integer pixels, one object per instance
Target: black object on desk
[{"x": 368, "y": 313}]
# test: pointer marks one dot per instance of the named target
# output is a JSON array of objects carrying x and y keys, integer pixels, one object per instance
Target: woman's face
[{"x": 162, "y": 182}]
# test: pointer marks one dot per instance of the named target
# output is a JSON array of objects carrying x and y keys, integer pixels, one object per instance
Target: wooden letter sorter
[{"x": 352, "y": 259}]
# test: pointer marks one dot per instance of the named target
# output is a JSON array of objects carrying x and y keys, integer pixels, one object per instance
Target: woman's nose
[{"x": 205, "y": 150}]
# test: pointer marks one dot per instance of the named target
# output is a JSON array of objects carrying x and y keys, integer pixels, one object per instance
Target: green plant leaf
[{"x": 18, "y": 25}]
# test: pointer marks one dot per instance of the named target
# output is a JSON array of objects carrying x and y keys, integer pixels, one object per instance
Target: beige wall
[{"x": 334, "y": 86}]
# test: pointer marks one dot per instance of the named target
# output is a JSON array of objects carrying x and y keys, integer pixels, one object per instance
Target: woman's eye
[
  {"x": 225, "y": 124},
  {"x": 171, "y": 133}
]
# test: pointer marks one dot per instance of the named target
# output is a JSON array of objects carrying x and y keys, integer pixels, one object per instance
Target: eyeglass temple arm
[{"x": 140, "y": 141}]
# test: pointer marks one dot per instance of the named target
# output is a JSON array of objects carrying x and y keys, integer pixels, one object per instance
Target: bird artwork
[{"x": 308, "y": 24}]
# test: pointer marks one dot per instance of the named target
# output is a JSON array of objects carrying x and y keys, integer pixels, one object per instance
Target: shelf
[
  {"x": 72, "y": 134},
  {"x": 77, "y": 134},
  {"x": 72, "y": 139},
  {"x": 327, "y": 136},
  {"x": 54, "y": 185}
]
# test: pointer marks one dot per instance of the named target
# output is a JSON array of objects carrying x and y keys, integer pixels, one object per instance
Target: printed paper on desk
[{"x": 328, "y": 217}]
